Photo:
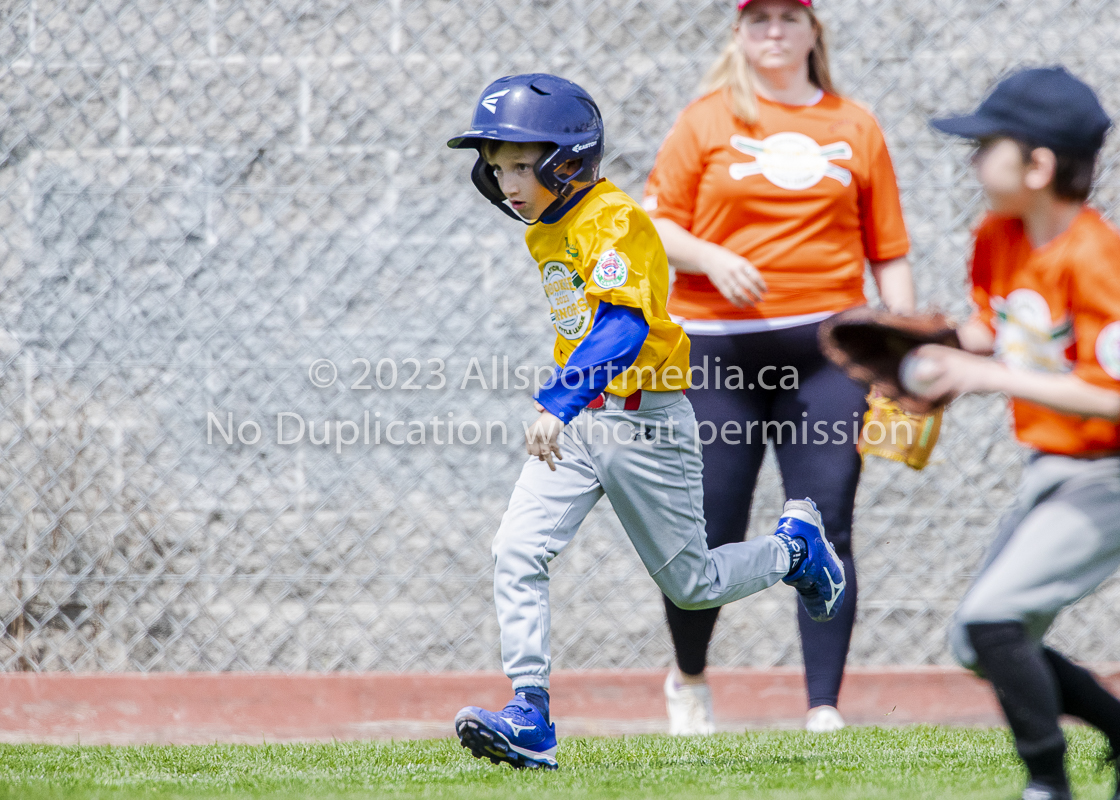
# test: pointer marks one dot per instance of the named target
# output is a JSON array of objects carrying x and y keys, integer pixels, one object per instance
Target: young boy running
[
  {"x": 614, "y": 420},
  {"x": 1046, "y": 283}
]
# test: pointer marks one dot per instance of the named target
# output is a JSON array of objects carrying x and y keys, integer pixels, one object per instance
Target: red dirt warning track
[{"x": 254, "y": 707}]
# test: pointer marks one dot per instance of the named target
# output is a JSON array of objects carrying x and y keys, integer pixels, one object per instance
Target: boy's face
[
  {"x": 513, "y": 169},
  {"x": 1010, "y": 181}
]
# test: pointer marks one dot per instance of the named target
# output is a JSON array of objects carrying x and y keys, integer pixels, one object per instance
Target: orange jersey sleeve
[
  {"x": 881, "y": 223},
  {"x": 674, "y": 182},
  {"x": 807, "y": 194}
]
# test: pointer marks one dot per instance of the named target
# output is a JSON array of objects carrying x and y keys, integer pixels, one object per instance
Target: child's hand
[
  {"x": 541, "y": 438},
  {"x": 976, "y": 337},
  {"x": 956, "y": 372},
  {"x": 949, "y": 371}
]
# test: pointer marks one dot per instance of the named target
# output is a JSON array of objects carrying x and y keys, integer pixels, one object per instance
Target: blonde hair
[{"x": 732, "y": 72}]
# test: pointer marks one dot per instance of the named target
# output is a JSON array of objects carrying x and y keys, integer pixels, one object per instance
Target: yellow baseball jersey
[{"x": 606, "y": 248}]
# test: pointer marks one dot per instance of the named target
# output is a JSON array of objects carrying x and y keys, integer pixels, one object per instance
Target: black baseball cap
[{"x": 1045, "y": 107}]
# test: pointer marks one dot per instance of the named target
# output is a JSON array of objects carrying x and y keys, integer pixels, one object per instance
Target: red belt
[{"x": 633, "y": 402}]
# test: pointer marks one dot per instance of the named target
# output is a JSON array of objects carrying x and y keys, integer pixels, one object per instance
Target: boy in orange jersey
[{"x": 1046, "y": 283}]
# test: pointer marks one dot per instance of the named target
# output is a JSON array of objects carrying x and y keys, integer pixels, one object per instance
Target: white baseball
[{"x": 916, "y": 374}]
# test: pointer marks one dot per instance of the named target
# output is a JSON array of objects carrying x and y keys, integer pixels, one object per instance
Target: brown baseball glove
[{"x": 869, "y": 345}]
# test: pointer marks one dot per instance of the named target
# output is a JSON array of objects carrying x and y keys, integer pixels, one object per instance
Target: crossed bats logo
[{"x": 791, "y": 161}]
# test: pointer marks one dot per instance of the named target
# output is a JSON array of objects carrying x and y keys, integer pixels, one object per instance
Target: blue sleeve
[{"x": 607, "y": 351}]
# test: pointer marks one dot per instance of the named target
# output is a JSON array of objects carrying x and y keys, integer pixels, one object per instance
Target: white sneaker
[
  {"x": 690, "y": 708},
  {"x": 823, "y": 719}
]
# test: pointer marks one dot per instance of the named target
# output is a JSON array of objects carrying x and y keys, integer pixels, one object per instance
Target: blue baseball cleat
[
  {"x": 820, "y": 578},
  {"x": 517, "y": 735}
]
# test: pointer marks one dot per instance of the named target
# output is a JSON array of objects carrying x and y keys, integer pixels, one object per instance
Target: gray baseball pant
[
  {"x": 1058, "y": 543},
  {"x": 648, "y": 463}
]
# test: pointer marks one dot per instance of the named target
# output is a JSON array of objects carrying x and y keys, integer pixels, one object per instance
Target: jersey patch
[
  {"x": 571, "y": 315},
  {"x": 610, "y": 271},
  {"x": 1027, "y": 337},
  {"x": 791, "y": 161},
  {"x": 1108, "y": 350}
]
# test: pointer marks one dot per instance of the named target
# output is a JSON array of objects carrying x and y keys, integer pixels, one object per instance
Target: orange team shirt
[
  {"x": 1054, "y": 309},
  {"x": 806, "y": 194}
]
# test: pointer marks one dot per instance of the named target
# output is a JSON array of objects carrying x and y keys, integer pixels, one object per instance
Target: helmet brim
[
  {"x": 971, "y": 126},
  {"x": 472, "y": 138}
]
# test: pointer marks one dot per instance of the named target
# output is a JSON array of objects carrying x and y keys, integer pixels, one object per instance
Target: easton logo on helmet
[
  {"x": 581, "y": 147},
  {"x": 490, "y": 102}
]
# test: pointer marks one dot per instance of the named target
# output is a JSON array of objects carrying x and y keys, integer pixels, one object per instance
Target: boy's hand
[
  {"x": 976, "y": 337},
  {"x": 541, "y": 438},
  {"x": 948, "y": 371},
  {"x": 956, "y": 372}
]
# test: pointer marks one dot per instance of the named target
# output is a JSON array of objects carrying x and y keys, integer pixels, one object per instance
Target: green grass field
[{"x": 863, "y": 763}]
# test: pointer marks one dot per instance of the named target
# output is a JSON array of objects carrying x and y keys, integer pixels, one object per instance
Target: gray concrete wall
[{"x": 198, "y": 200}]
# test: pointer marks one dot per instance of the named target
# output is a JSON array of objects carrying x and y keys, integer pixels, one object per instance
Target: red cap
[{"x": 743, "y": 3}]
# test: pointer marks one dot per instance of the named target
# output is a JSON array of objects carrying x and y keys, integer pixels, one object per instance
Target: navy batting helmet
[{"x": 536, "y": 108}]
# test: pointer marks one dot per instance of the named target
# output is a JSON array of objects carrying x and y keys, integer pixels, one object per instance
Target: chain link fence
[{"x": 201, "y": 201}]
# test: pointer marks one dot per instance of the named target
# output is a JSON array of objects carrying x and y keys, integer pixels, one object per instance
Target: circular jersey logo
[
  {"x": 1026, "y": 335},
  {"x": 571, "y": 316},
  {"x": 610, "y": 271},
  {"x": 1108, "y": 349}
]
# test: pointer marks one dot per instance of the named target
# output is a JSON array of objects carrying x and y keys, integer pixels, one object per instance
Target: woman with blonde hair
[{"x": 771, "y": 193}]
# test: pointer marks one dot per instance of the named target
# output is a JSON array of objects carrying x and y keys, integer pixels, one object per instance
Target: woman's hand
[{"x": 734, "y": 276}]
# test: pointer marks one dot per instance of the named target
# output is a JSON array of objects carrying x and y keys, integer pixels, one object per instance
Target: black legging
[{"x": 832, "y": 407}]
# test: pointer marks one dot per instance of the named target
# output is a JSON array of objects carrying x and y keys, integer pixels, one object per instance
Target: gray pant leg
[
  {"x": 655, "y": 488},
  {"x": 1059, "y": 543},
  {"x": 545, "y": 511}
]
